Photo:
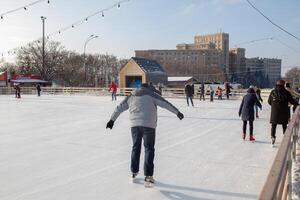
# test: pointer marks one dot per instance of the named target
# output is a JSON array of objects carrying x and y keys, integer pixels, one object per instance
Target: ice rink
[{"x": 57, "y": 148}]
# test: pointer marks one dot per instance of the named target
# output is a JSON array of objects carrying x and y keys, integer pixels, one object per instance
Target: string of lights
[
  {"x": 74, "y": 24},
  {"x": 267, "y": 18},
  {"x": 253, "y": 41},
  {"x": 85, "y": 19},
  {"x": 25, "y": 7},
  {"x": 284, "y": 44},
  {"x": 264, "y": 39}
]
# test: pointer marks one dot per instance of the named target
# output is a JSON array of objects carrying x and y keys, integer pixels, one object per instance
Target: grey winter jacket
[{"x": 142, "y": 105}]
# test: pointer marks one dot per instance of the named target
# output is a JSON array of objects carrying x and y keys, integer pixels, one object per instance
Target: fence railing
[
  {"x": 166, "y": 92},
  {"x": 279, "y": 181}
]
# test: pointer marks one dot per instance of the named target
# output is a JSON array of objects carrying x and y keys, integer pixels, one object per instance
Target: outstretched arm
[
  {"x": 160, "y": 101},
  {"x": 258, "y": 103},
  {"x": 292, "y": 100},
  {"x": 293, "y": 93},
  {"x": 120, "y": 108}
]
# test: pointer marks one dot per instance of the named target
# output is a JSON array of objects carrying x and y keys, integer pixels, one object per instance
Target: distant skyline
[{"x": 156, "y": 24}]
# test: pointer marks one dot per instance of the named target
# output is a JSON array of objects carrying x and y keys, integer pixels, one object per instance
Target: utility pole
[
  {"x": 43, "y": 53},
  {"x": 84, "y": 48}
]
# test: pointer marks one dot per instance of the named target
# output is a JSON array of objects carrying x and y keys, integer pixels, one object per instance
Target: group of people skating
[
  {"x": 280, "y": 99},
  {"x": 143, "y": 102},
  {"x": 17, "y": 87},
  {"x": 189, "y": 90}
]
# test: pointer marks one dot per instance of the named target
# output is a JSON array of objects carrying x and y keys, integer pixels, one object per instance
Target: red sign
[{"x": 25, "y": 76}]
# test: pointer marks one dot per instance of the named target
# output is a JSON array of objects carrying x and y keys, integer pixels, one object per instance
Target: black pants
[
  {"x": 191, "y": 99},
  {"x": 212, "y": 96},
  {"x": 114, "y": 96},
  {"x": 202, "y": 96},
  {"x": 148, "y": 135},
  {"x": 245, "y": 127},
  {"x": 273, "y": 129}
]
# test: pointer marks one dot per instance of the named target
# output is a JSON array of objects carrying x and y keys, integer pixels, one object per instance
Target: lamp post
[
  {"x": 84, "y": 48},
  {"x": 43, "y": 48}
]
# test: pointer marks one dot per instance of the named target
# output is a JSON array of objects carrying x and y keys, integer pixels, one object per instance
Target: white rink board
[{"x": 57, "y": 148}]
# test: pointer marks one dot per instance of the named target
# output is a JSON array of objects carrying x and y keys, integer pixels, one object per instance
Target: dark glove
[
  {"x": 110, "y": 124},
  {"x": 180, "y": 115}
]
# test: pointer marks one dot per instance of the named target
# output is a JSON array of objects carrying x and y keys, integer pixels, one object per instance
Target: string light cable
[
  {"x": 267, "y": 18},
  {"x": 85, "y": 19},
  {"x": 25, "y": 7},
  {"x": 73, "y": 25},
  {"x": 273, "y": 38},
  {"x": 253, "y": 41}
]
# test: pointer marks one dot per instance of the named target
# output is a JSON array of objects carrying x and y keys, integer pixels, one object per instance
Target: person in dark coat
[
  {"x": 38, "y": 89},
  {"x": 227, "y": 88},
  {"x": 17, "y": 87},
  {"x": 247, "y": 111},
  {"x": 258, "y": 95},
  {"x": 188, "y": 89},
  {"x": 279, "y": 100},
  {"x": 202, "y": 92}
]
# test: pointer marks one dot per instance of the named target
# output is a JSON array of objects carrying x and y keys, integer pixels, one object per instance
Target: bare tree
[
  {"x": 293, "y": 76},
  {"x": 29, "y": 58},
  {"x": 71, "y": 72}
]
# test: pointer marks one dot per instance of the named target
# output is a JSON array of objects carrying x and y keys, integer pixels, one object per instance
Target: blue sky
[{"x": 157, "y": 24}]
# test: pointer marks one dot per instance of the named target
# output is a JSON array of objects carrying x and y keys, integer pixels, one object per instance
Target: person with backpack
[
  {"x": 38, "y": 89},
  {"x": 228, "y": 88},
  {"x": 189, "y": 92},
  {"x": 202, "y": 91},
  {"x": 246, "y": 111},
  {"x": 142, "y": 105},
  {"x": 279, "y": 100},
  {"x": 211, "y": 93}
]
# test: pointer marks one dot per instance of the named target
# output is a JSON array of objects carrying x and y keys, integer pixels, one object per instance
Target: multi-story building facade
[
  {"x": 196, "y": 63},
  {"x": 237, "y": 64},
  {"x": 268, "y": 68},
  {"x": 221, "y": 42},
  {"x": 272, "y": 69},
  {"x": 208, "y": 54}
]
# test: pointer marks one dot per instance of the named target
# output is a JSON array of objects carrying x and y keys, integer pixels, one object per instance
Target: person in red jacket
[{"x": 113, "y": 88}]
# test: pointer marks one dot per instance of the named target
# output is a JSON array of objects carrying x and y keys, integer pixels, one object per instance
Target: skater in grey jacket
[{"x": 142, "y": 105}]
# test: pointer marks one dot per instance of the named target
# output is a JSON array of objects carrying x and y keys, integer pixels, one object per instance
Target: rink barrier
[
  {"x": 279, "y": 181},
  {"x": 166, "y": 92}
]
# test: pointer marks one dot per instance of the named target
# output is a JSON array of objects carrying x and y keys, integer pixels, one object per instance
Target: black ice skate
[
  {"x": 133, "y": 177},
  {"x": 149, "y": 181},
  {"x": 273, "y": 141}
]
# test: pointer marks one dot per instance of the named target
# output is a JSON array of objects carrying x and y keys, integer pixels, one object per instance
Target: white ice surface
[{"x": 57, "y": 148}]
